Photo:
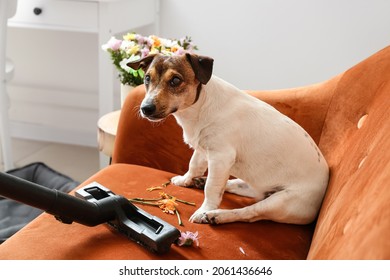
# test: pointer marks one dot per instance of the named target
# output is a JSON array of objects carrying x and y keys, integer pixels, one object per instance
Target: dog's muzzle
[
  {"x": 152, "y": 112},
  {"x": 148, "y": 109}
]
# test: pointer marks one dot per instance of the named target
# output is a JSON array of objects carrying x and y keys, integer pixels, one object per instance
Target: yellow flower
[
  {"x": 164, "y": 195},
  {"x": 156, "y": 41},
  {"x": 168, "y": 205},
  {"x": 129, "y": 37},
  {"x": 154, "y": 50},
  {"x": 133, "y": 50},
  {"x": 174, "y": 49}
]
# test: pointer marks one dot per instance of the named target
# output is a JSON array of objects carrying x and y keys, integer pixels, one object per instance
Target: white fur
[{"x": 236, "y": 134}]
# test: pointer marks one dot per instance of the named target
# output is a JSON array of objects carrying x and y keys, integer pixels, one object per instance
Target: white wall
[
  {"x": 256, "y": 44},
  {"x": 269, "y": 44}
]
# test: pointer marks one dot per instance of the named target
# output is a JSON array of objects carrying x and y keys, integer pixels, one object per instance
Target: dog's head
[{"x": 172, "y": 83}]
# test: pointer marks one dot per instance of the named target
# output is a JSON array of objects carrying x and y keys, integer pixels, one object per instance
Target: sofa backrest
[{"x": 354, "y": 221}]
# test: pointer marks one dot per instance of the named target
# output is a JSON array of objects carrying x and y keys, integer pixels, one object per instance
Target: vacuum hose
[{"x": 64, "y": 207}]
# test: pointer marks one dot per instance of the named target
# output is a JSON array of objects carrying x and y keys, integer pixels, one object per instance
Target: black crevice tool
[{"x": 94, "y": 204}]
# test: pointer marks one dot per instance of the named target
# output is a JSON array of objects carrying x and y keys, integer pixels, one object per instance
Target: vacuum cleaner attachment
[{"x": 94, "y": 204}]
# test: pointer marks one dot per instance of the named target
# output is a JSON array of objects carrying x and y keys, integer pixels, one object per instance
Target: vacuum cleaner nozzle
[{"x": 138, "y": 225}]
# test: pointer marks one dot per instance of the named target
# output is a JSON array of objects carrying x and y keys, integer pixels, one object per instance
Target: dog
[{"x": 273, "y": 159}]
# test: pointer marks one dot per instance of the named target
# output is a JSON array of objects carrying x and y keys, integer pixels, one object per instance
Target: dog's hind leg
[
  {"x": 282, "y": 207},
  {"x": 240, "y": 187}
]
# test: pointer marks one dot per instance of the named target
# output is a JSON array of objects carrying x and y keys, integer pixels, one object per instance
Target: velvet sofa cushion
[{"x": 46, "y": 238}]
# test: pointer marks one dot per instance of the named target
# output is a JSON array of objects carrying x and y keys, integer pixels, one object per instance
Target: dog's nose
[{"x": 148, "y": 109}]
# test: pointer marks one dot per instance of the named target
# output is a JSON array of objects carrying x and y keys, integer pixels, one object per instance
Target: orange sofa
[{"x": 348, "y": 116}]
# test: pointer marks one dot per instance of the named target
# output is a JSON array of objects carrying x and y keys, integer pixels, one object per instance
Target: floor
[{"x": 77, "y": 162}]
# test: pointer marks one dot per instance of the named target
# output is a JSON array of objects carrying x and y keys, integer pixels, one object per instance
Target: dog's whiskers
[{"x": 137, "y": 111}]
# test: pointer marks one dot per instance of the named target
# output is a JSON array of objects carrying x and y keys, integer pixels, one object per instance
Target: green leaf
[{"x": 141, "y": 73}]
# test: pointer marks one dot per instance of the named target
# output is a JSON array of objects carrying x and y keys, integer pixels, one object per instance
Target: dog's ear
[
  {"x": 202, "y": 66},
  {"x": 143, "y": 63}
]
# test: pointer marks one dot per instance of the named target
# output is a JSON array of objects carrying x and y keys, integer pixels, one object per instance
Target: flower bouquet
[{"x": 134, "y": 47}]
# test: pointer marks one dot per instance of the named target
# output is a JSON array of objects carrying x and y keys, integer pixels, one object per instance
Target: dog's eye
[
  {"x": 147, "y": 79},
  {"x": 175, "y": 81}
]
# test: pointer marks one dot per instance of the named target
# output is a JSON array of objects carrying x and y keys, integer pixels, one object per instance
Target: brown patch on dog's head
[
  {"x": 172, "y": 82},
  {"x": 202, "y": 66}
]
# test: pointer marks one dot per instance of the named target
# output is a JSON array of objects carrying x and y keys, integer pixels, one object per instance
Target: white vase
[{"x": 125, "y": 89}]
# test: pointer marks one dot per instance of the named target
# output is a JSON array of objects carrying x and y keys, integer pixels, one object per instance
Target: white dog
[{"x": 235, "y": 134}]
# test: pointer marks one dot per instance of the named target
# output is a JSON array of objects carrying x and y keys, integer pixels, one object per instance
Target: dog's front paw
[
  {"x": 212, "y": 217},
  {"x": 199, "y": 217},
  {"x": 202, "y": 216},
  {"x": 183, "y": 181}
]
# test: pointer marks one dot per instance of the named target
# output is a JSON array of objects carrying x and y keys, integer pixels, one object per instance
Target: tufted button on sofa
[{"x": 349, "y": 118}]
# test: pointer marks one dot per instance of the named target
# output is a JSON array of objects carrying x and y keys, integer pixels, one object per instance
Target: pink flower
[
  {"x": 144, "y": 52},
  {"x": 113, "y": 44},
  {"x": 188, "y": 238},
  {"x": 180, "y": 51},
  {"x": 140, "y": 39}
]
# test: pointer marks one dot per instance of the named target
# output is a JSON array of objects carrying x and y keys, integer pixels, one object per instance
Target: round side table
[{"x": 107, "y": 128}]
